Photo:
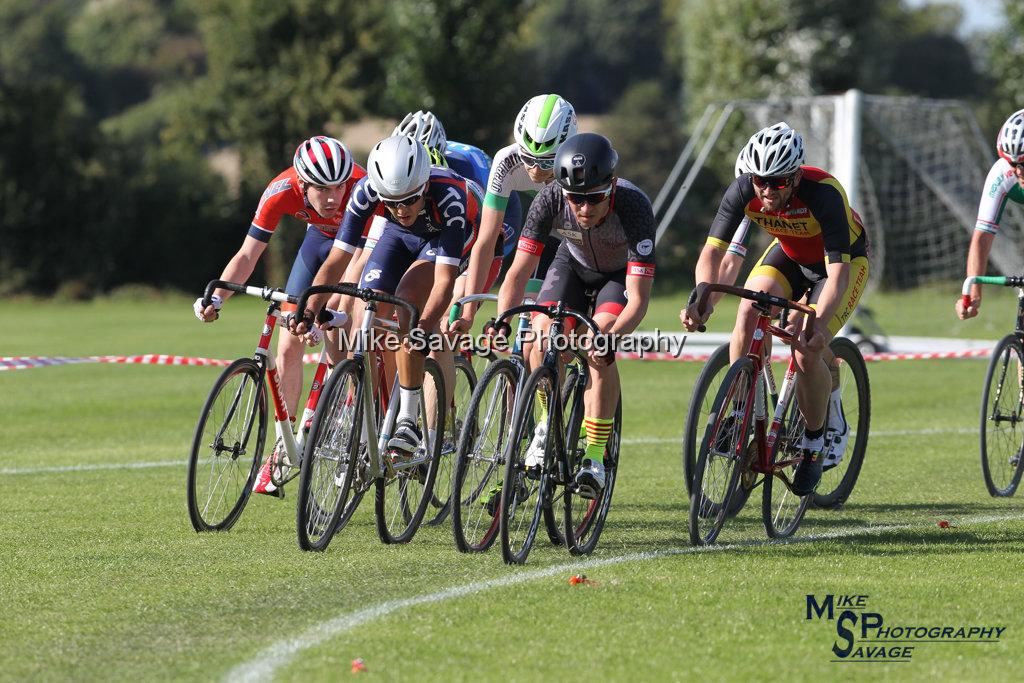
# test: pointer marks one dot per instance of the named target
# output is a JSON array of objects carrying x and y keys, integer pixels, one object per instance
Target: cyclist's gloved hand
[
  {"x": 693, "y": 319},
  {"x": 208, "y": 314},
  {"x": 603, "y": 352},
  {"x": 968, "y": 309},
  {"x": 300, "y": 325},
  {"x": 495, "y": 330}
]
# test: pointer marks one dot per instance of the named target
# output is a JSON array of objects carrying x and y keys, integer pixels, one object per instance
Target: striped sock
[
  {"x": 598, "y": 431},
  {"x": 542, "y": 399}
]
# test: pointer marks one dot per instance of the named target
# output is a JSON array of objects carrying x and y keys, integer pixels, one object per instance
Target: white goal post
[{"x": 913, "y": 168}]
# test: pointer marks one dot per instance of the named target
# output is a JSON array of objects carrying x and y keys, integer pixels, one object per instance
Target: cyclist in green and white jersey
[
  {"x": 527, "y": 165},
  {"x": 1005, "y": 182}
]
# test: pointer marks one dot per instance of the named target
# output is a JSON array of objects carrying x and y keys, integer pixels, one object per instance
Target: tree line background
[{"x": 113, "y": 113}]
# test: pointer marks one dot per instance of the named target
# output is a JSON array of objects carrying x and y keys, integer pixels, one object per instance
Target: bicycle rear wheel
[
  {"x": 1002, "y": 418},
  {"x": 837, "y": 481},
  {"x": 441, "y": 498},
  {"x": 717, "y": 471},
  {"x": 574, "y": 372},
  {"x": 227, "y": 446},
  {"x": 585, "y": 517},
  {"x": 781, "y": 509},
  {"x": 403, "y": 493},
  {"x": 480, "y": 462},
  {"x": 522, "y": 495},
  {"x": 329, "y": 458}
]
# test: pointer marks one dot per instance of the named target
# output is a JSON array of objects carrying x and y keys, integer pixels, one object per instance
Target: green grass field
[{"x": 105, "y": 579}]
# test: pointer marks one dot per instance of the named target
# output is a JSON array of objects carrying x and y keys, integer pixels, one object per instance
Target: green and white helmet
[{"x": 544, "y": 122}]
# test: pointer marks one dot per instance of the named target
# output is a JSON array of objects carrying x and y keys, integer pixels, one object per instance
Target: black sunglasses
[
  {"x": 774, "y": 182},
  {"x": 588, "y": 197},
  {"x": 544, "y": 164},
  {"x": 405, "y": 201},
  {"x": 1016, "y": 164}
]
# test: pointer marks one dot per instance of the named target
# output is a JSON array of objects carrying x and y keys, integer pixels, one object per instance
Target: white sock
[
  {"x": 836, "y": 396},
  {"x": 813, "y": 444},
  {"x": 410, "y": 404}
]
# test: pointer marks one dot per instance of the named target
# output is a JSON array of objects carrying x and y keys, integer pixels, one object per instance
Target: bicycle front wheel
[
  {"x": 704, "y": 392},
  {"x": 329, "y": 458},
  {"x": 403, "y": 492},
  {"x": 465, "y": 383},
  {"x": 722, "y": 452},
  {"x": 523, "y": 494},
  {"x": 781, "y": 509},
  {"x": 839, "y": 478},
  {"x": 1002, "y": 418},
  {"x": 480, "y": 463},
  {"x": 227, "y": 446}
]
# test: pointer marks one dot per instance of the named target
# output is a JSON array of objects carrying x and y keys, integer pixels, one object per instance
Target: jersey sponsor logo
[
  {"x": 802, "y": 211},
  {"x": 272, "y": 189},
  {"x": 641, "y": 270},
  {"x": 780, "y": 226},
  {"x": 453, "y": 209},
  {"x": 501, "y": 171},
  {"x": 374, "y": 274},
  {"x": 645, "y": 247},
  {"x": 574, "y": 235},
  {"x": 529, "y": 246},
  {"x": 578, "y": 160},
  {"x": 431, "y": 253},
  {"x": 359, "y": 200}
]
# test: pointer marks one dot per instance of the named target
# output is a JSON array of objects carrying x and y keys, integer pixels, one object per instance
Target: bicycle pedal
[{"x": 587, "y": 492}]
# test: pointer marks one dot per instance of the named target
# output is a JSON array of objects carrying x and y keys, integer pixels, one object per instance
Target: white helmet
[
  {"x": 741, "y": 163},
  {"x": 544, "y": 122},
  {"x": 1010, "y": 143},
  {"x": 323, "y": 161},
  {"x": 773, "y": 151},
  {"x": 423, "y": 126},
  {"x": 398, "y": 166}
]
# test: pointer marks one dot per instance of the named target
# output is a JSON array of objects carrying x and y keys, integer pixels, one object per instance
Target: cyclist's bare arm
[
  {"x": 709, "y": 267},
  {"x": 241, "y": 265},
  {"x": 331, "y": 271},
  {"x": 977, "y": 264},
  {"x": 481, "y": 256},
  {"x": 638, "y": 296},
  {"x": 514, "y": 287}
]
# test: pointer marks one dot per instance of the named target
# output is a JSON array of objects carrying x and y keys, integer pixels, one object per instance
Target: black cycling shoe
[
  {"x": 406, "y": 439},
  {"x": 808, "y": 473}
]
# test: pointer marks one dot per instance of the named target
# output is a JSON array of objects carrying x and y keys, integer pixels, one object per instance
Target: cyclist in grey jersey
[{"x": 1005, "y": 182}]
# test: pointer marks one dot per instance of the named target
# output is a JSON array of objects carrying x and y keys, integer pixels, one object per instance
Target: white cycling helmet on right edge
[
  {"x": 423, "y": 126},
  {"x": 544, "y": 122},
  {"x": 398, "y": 166},
  {"x": 1010, "y": 143},
  {"x": 773, "y": 151}
]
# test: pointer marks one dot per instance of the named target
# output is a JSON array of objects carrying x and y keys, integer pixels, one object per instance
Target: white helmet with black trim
[
  {"x": 777, "y": 150},
  {"x": 1010, "y": 143},
  {"x": 423, "y": 126},
  {"x": 321, "y": 160},
  {"x": 397, "y": 167},
  {"x": 544, "y": 122}
]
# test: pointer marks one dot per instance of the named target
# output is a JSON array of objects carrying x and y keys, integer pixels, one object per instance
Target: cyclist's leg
[
  {"x": 311, "y": 256},
  {"x": 772, "y": 274}
]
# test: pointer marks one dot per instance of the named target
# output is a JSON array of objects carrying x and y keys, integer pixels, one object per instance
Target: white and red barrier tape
[{"x": 28, "y": 362}]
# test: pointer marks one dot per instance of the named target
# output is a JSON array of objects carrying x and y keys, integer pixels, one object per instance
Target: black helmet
[{"x": 585, "y": 161}]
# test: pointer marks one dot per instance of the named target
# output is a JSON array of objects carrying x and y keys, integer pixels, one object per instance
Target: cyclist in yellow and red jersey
[
  {"x": 315, "y": 190},
  {"x": 820, "y": 249}
]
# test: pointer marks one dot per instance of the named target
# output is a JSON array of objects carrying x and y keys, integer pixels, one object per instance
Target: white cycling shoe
[
  {"x": 590, "y": 479},
  {"x": 837, "y": 434},
  {"x": 535, "y": 451}
]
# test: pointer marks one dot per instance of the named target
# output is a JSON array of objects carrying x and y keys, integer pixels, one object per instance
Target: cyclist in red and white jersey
[
  {"x": 315, "y": 190},
  {"x": 1005, "y": 182}
]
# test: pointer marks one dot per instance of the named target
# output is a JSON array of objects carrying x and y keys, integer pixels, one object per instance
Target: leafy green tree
[{"x": 462, "y": 59}]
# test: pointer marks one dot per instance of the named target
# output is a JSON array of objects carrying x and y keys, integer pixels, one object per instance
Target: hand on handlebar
[
  {"x": 967, "y": 311},
  {"x": 693, "y": 319},
  {"x": 208, "y": 314}
]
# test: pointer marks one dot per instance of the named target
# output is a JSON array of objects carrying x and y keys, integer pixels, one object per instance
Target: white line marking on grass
[
  {"x": 279, "y": 654},
  {"x": 94, "y": 467}
]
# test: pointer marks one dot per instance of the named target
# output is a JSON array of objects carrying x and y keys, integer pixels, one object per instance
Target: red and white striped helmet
[
  {"x": 321, "y": 160},
  {"x": 1010, "y": 143}
]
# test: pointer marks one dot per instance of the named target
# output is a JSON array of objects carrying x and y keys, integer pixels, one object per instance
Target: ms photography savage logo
[{"x": 863, "y": 636}]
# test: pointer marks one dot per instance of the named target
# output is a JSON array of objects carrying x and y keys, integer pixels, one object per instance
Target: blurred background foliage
[{"x": 137, "y": 135}]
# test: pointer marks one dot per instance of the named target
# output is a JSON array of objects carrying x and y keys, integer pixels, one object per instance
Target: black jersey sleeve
[{"x": 731, "y": 211}]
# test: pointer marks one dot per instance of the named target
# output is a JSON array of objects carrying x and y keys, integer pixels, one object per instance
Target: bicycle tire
[
  {"x": 553, "y": 522},
  {"x": 705, "y": 390},
  {"x": 998, "y": 445},
  {"x": 403, "y": 495},
  {"x": 481, "y": 458},
  {"x": 711, "y": 502},
  {"x": 523, "y": 497},
  {"x": 781, "y": 509},
  {"x": 441, "y": 497},
  {"x": 329, "y": 458},
  {"x": 584, "y": 521},
  {"x": 247, "y": 400},
  {"x": 837, "y": 482}
]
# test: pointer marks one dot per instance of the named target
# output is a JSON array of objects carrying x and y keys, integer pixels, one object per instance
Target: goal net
[{"x": 913, "y": 168}]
